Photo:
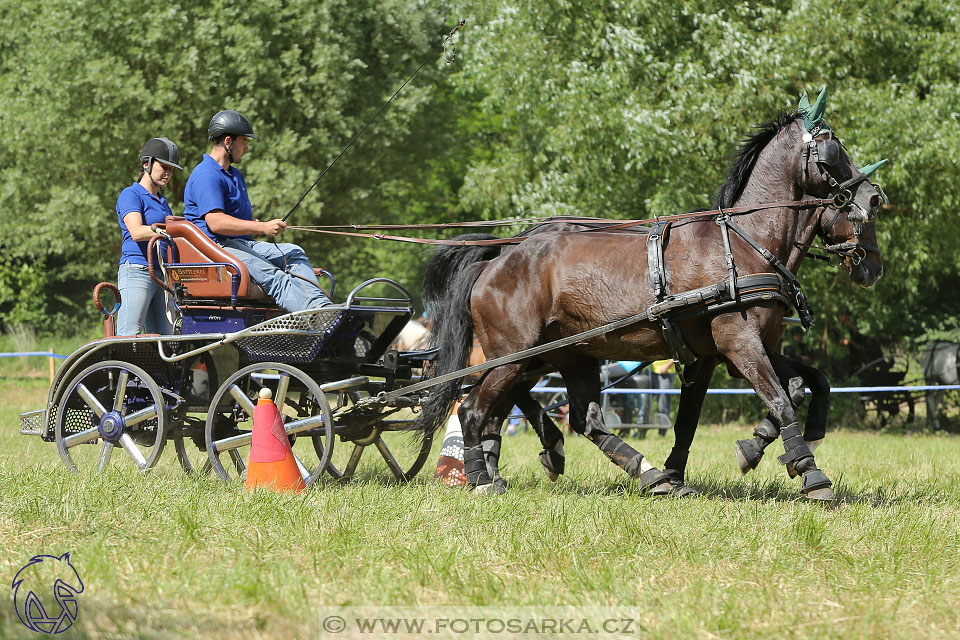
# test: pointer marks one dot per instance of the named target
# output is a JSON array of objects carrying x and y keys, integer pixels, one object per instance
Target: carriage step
[{"x": 31, "y": 423}]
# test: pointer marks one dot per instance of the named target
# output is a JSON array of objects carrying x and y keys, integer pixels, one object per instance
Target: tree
[{"x": 84, "y": 85}]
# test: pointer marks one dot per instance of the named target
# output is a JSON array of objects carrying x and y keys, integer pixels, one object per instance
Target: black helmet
[
  {"x": 161, "y": 149},
  {"x": 229, "y": 123}
]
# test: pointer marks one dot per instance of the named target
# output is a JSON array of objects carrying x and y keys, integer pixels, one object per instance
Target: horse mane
[{"x": 747, "y": 156}]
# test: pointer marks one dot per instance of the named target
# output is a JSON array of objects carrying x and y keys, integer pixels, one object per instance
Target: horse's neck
[{"x": 785, "y": 232}]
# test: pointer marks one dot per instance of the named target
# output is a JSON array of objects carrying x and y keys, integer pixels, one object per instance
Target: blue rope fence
[
  {"x": 676, "y": 392},
  {"x": 24, "y": 354}
]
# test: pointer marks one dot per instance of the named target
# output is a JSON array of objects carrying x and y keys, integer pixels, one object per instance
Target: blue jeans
[
  {"x": 266, "y": 262},
  {"x": 143, "y": 307}
]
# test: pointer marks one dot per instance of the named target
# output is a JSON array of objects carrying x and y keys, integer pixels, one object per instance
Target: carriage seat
[{"x": 207, "y": 283}]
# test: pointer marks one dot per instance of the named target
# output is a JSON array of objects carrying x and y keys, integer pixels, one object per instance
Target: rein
[{"x": 611, "y": 224}]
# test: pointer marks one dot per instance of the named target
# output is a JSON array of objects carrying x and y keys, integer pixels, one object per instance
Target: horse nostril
[{"x": 874, "y": 202}]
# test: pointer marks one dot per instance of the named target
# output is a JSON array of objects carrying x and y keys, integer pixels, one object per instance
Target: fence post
[{"x": 51, "y": 365}]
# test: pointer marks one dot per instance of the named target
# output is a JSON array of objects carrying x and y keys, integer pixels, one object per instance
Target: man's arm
[{"x": 226, "y": 225}]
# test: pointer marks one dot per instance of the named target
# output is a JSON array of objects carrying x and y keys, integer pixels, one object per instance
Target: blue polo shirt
[
  {"x": 209, "y": 188},
  {"x": 153, "y": 209}
]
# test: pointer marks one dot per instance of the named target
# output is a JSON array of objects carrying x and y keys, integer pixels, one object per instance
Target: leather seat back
[{"x": 212, "y": 282}]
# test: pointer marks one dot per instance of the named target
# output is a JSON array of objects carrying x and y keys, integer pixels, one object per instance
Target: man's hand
[{"x": 273, "y": 227}]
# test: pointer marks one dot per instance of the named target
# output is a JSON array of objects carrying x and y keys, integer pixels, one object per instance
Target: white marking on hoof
[
  {"x": 813, "y": 445},
  {"x": 645, "y": 465}
]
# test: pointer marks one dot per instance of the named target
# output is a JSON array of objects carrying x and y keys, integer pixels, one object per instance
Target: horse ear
[
  {"x": 813, "y": 114},
  {"x": 868, "y": 171}
]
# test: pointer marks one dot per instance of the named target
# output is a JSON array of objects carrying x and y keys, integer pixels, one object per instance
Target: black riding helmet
[
  {"x": 161, "y": 149},
  {"x": 229, "y": 123}
]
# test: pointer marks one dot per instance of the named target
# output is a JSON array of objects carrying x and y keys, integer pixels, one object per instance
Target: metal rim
[
  {"x": 226, "y": 439},
  {"x": 126, "y": 387}
]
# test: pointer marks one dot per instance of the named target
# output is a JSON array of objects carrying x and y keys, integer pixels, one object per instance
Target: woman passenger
[{"x": 143, "y": 307}]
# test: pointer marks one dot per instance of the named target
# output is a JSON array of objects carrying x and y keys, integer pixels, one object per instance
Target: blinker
[{"x": 828, "y": 152}]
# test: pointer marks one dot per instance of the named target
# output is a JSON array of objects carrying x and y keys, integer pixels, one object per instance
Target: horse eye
[{"x": 875, "y": 202}]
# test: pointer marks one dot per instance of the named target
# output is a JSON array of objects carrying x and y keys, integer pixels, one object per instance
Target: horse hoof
[
  {"x": 822, "y": 495},
  {"x": 553, "y": 475},
  {"x": 672, "y": 488},
  {"x": 491, "y": 489},
  {"x": 748, "y": 455}
]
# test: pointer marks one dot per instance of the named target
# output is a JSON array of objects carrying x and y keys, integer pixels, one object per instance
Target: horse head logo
[{"x": 45, "y": 594}]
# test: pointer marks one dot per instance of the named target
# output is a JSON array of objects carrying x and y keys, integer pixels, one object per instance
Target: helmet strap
[
  {"x": 150, "y": 174},
  {"x": 229, "y": 150}
]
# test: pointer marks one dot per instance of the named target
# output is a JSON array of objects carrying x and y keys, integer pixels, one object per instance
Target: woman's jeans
[{"x": 142, "y": 307}]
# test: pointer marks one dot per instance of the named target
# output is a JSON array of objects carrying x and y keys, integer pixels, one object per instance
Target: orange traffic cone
[{"x": 272, "y": 464}]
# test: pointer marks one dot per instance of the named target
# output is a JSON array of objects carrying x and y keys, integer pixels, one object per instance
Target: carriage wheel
[
  {"x": 396, "y": 450},
  {"x": 118, "y": 405},
  {"x": 304, "y": 408}
]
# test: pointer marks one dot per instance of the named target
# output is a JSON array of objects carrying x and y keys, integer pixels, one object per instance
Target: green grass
[{"x": 170, "y": 556}]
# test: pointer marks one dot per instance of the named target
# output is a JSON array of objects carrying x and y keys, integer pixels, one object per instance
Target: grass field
[{"x": 170, "y": 556}]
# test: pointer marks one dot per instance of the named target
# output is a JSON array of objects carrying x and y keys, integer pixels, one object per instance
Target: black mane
[{"x": 747, "y": 157}]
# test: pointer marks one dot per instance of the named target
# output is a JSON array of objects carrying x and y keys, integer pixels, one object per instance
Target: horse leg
[
  {"x": 586, "y": 418},
  {"x": 792, "y": 379},
  {"x": 749, "y": 356},
  {"x": 481, "y": 413},
  {"x": 552, "y": 456},
  {"x": 688, "y": 416}
]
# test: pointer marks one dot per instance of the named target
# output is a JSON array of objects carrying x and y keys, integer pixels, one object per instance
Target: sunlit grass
[{"x": 167, "y": 555}]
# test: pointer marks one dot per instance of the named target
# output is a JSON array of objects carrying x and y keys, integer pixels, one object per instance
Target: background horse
[
  {"x": 558, "y": 284},
  {"x": 941, "y": 365}
]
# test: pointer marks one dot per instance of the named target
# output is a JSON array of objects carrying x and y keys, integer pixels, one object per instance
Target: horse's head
[{"x": 847, "y": 225}]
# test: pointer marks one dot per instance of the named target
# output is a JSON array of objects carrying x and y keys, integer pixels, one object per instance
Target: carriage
[
  {"x": 196, "y": 389},
  {"x": 886, "y": 404}
]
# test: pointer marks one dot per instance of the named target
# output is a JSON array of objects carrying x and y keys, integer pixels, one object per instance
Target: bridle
[{"x": 825, "y": 153}]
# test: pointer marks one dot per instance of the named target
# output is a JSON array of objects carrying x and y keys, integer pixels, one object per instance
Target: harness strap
[
  {"x": 655, "y": 268},
  {"x": 722, "y": 222},
  {"x": 656, "y": 274},
  {"x": 799, "y": 298}
]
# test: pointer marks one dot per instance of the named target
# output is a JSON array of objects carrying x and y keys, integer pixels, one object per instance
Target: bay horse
[{"x": 791, "y": 182}]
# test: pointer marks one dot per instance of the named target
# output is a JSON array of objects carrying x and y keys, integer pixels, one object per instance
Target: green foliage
[
  {"x": 84, "y": 85},
  {"x": 620, "y": 109},
  {"x": 630, "y": 109}
]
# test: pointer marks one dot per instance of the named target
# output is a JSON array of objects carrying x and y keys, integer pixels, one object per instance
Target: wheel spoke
[
  {"x": 282, "y": 386},
  {"x": 245, "y": 403},
  {"x": 137, "y": 417},
  {"x": 91, "y": 400},
  {"x": 304, "y": 472},
  {"x": 238, "y": 463},
  {"x": 105, "y": 450},
  {"x": 87, "y": 435},
  {"x": 390, "y": 459},
  {"x": 131, "y": 447},
  {"x": 122, "y": 381}
]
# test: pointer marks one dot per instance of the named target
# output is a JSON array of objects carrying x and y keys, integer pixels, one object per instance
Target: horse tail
[{"x": 448, "y": 280}]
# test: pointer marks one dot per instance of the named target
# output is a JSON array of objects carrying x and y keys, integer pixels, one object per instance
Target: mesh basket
[
  {"x": 31, "y": 423},
  {"x": 294, "y": 337}
]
